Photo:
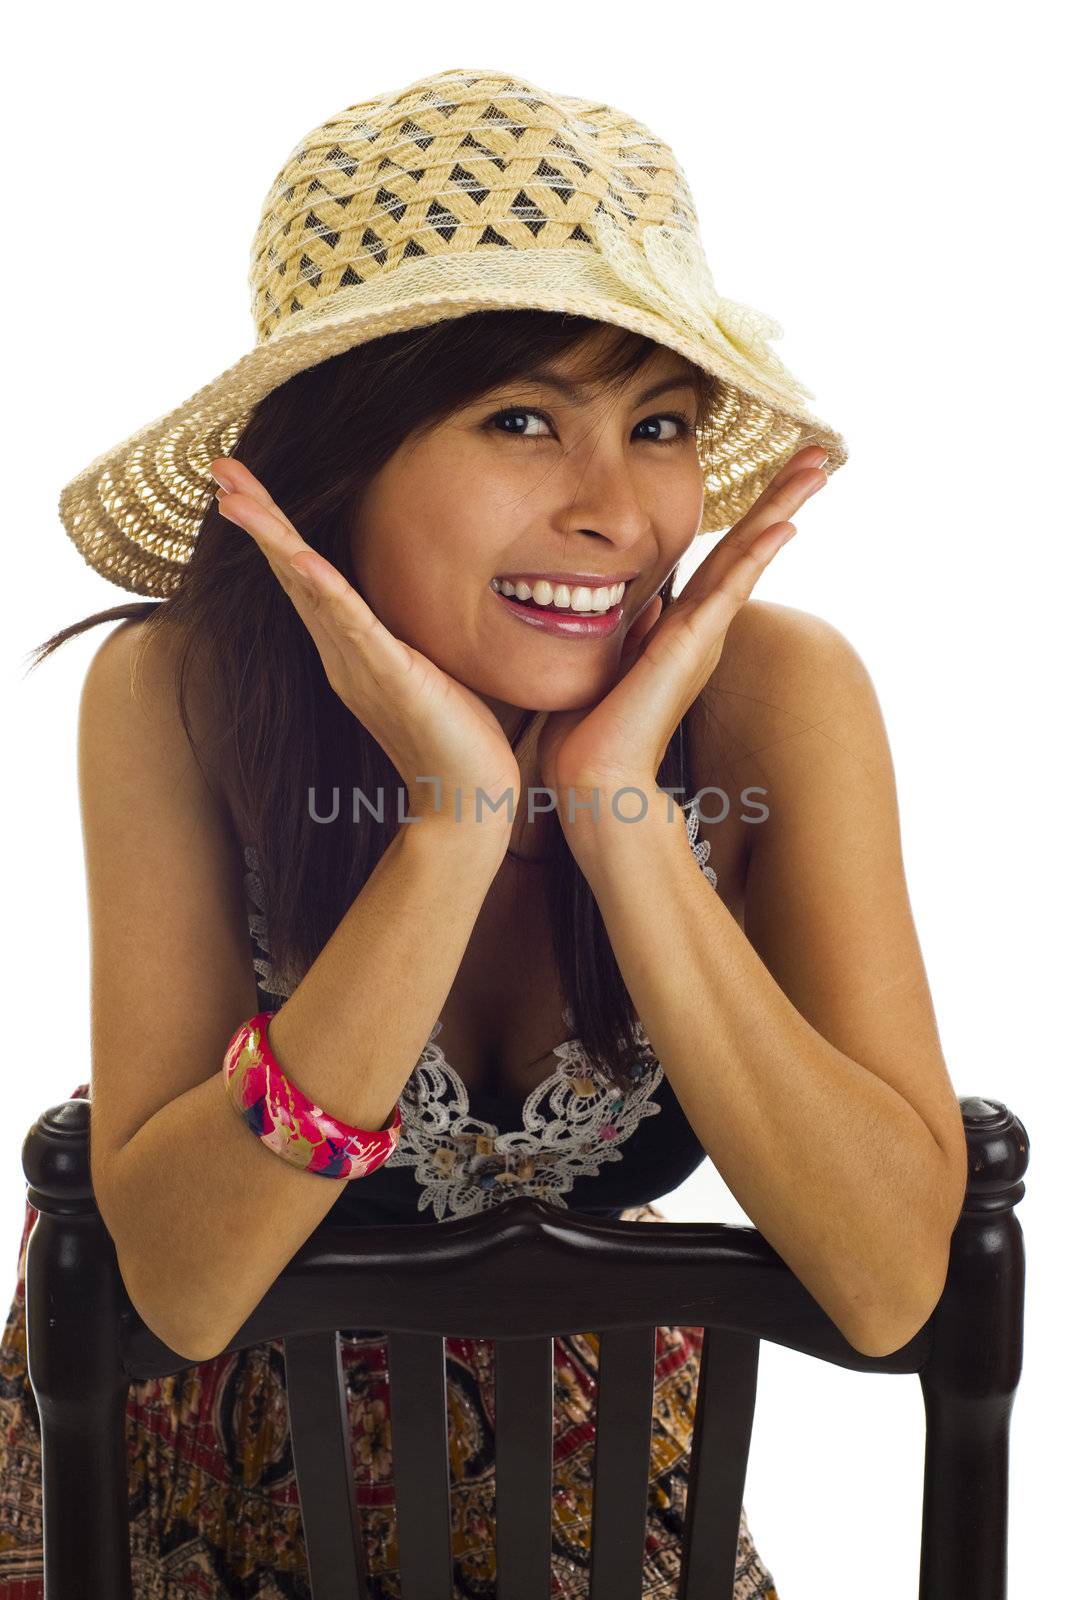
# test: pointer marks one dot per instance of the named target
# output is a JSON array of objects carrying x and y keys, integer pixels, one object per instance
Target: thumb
[
  {"x": 638, "y": 637},
  {"x": 639, "y": 632}
]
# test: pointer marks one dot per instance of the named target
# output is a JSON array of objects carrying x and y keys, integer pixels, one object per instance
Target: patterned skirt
[{"x": 214, "y": 1509}]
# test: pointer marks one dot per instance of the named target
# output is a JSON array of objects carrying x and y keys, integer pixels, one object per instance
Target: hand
[
  {"x": 667, "y": 659},
  {"x": 428, "y": 724}
]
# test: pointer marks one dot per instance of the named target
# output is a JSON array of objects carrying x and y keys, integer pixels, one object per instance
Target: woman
[{"x": 493, "y": 400}]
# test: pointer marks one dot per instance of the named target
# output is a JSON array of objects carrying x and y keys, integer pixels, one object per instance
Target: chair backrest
[{"x": 519, "y": 1274}]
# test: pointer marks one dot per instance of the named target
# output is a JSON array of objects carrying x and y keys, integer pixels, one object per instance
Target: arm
[
  {"x": 804, "y": 1053},
  {"x": 204, "y": 1218},
  {"x": 202, "y": 1215}
]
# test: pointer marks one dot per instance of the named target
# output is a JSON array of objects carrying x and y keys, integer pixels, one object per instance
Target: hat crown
[{"x": 458, "y": 163}]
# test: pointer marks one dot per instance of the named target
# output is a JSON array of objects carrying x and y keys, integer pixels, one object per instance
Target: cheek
[
  {"x": 440, "y": 618},
  {"x": 429, "y": 590},
  {"x": 393, "y": 576}
]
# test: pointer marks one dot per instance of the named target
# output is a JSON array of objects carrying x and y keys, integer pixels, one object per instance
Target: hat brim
[{"x": 133, "y": 513}]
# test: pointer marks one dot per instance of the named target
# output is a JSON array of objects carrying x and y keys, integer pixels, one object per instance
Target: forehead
[{"x": 665, "y": 370}]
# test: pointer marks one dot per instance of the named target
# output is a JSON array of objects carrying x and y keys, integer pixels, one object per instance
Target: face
[{"x": 531, "y": 485}]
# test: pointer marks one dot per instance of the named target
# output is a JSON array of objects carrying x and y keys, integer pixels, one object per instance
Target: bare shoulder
[
  {"x": 784, "y": 675},
  {"x": 133, "y": 682},
  {"x": 777, "y": 662}
]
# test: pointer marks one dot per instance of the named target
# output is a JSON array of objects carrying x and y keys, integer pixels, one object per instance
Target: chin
[
  {"x": 564, "y": 685},
  {"x": 571, "y": 696}
]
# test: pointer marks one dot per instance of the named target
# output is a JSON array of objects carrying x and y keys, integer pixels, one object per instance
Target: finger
[
  {"x": 708, "y": 614},
  {"x": 260, "y": 515},
  {"x": 235, "y": 475},
  {"x": 814, "y": 455},
  {"x": 780, "y": 501},
  {"x": 708, "y": 577},
  {"x": 751, "y": 561},
  {"x": 279, "y": 544},
  {"x": 776, "y": 505},
  {"x": 639, "y": 636},
  {"x": 252, "y": 508},
  {"x": 642, "y": 625},
  {"x": 783, "y": 496},
  {"x": 330, "y": 607},
  {"x": 279, "y": 540}
]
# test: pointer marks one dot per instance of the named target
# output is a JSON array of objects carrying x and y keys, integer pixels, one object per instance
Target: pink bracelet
[{"x": 288, "y": 1122}]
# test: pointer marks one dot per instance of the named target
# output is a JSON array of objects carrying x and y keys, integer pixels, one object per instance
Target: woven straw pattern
[{"x": 464, "y": 191}]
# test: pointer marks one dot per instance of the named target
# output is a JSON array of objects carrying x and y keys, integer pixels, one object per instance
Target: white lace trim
[
  {"x": 267, "y": 978},
  {"x": 701, "y": 847},
  {"x": 572, "y": 1122},
  {"x": 571, "y": 1125}
]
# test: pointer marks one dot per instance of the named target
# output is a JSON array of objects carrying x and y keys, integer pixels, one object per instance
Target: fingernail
[{"x": 222, "y": 482}]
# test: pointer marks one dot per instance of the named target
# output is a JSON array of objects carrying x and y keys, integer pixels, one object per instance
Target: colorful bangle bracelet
[{"x": 288, "y": 1122}]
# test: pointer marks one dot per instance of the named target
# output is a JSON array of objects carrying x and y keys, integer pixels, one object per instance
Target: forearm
[
  {"x": 834, "y": 1167},
  {"x": 374, "y": 991},
  {"x": 204, "y": 1218}
]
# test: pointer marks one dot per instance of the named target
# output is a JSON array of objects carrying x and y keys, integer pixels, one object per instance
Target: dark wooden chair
[{"x": 519, "y": 1274}]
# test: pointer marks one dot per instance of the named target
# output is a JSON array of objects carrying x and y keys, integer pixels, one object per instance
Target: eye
[{"x": 685, "y": 429}]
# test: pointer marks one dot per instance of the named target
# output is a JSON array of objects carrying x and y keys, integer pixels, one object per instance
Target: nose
[{"x": 617, "y": 521}]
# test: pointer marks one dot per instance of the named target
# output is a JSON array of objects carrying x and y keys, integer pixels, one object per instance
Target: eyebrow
[{"x": 576, "y": 393}]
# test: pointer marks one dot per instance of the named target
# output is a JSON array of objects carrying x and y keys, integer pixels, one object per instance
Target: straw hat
[{"x": 464, "y": 191}]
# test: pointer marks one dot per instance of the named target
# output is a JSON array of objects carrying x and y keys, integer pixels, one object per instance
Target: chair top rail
[
  {"x": 530, "y": 1269},
  {"x": 501, "y": 1273}
]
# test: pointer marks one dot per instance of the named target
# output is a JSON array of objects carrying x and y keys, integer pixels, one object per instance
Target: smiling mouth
[
  {"x": 550, "y": 608},
  {"x": 561, "y": 622}
]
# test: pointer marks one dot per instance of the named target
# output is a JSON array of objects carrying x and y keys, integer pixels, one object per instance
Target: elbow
[
  {"x": 195, "y": 1355},
  {"x": 887, "y": 1337},
  {"x": 158, "y": 1289},
  {"x": 880, "y": 1325},
  {"x": 899, "y": 1321},
  {"x": 169, "y": 1323},
  {"x": 192, "y": 1348},
  {"x": 189, "y": 1343}
]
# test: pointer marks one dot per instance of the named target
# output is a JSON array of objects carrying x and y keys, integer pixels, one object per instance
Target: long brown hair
[{"x": 316, "y": 442}]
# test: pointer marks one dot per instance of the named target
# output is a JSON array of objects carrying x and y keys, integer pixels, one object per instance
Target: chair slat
[
  {"x": 419, "y": 1441},
  {"x": 523, "y": 1430},
  {"x": 623, "y": 1422},
  {"x": 724, "y": 1414},
  {"x": 319, "y": 1434}
]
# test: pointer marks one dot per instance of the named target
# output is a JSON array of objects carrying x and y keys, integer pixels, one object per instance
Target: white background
[{"x": 886, "y": 182}]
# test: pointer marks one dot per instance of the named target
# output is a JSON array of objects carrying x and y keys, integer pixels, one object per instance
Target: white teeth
[{"x": 582, "y": 599}]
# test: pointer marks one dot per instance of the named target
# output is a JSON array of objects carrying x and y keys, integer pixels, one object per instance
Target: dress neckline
[
  {"x": 514, "y": 1102},
  {"x": 570, "y": 1090}
]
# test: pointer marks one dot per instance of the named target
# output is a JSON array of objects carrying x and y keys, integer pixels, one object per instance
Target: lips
[
  {"x": 592, "y": 580},
  {"x": 560, "y": 621}
]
